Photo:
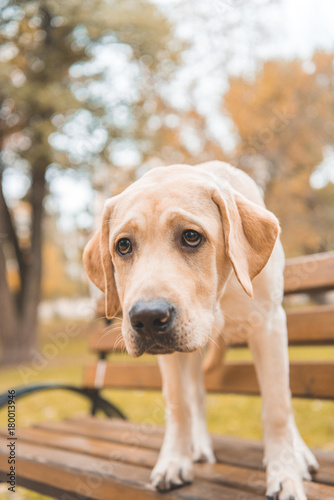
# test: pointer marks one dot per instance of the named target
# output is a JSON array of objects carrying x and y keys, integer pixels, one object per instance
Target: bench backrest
[{"x": 307, "y": 325}]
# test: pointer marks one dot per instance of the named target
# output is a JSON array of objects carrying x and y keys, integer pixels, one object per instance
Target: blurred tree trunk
[{"x": 18, "y": 310}]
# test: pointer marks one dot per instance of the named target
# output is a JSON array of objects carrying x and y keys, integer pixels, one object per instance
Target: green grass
[{"x": 227, "y": 414}]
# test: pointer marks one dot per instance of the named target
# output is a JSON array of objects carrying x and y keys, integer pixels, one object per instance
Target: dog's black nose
[{"x": 149, "y": 318}]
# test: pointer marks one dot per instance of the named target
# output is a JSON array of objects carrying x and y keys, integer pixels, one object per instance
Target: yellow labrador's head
[{"x": 165, "y": 250}]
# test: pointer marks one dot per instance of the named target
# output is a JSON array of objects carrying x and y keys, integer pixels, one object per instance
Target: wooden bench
[{"x": 112, "y": 458}]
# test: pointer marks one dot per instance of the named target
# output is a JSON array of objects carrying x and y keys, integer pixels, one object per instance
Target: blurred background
[{"x": 95, "y": 93}]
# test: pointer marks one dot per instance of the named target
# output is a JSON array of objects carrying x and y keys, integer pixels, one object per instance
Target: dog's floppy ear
[
  {"x": 92, "y": 261},
  {"x": 250, "y": 233},
  {"x": 99, "y": 266}
]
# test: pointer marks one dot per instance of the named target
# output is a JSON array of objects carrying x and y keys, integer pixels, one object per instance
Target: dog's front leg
[
  {"x": 287, "y": 458},
  {"x": 174, "y": 467},
  {"x": 201, "y": 440}
]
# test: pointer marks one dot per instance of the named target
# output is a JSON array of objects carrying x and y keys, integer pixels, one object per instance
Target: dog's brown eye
[
  {"x": 191, "y": 238},
  {"x": 124, "y": 246}
]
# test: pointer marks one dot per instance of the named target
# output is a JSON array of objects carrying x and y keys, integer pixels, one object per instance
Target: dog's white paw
[
  {"x": 202, "y": 451},
  {"x": 170, "y": 473},
  {"x": 306, "y": 460},
  {"x": 288, "y": 488},
  {"x": 287, "y": 466},
  {"x": 285, "y": 480}
]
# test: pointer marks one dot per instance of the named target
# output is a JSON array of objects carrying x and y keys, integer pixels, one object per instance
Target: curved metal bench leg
[{"x": 98, "y": 402}]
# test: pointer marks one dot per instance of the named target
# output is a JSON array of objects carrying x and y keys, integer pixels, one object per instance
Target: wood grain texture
[
  {"x": 307, "y": 379},
  {"x": 94, "y": 458},
  {"x": 312, "y": 325},
  {"x": 311, "y": 273},
  {"x": 80, "y": 474},
  {"x": 148, "y": 437}
]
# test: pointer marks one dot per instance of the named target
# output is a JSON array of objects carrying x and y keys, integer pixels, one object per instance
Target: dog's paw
[
  {"x": 307, "y": 462},
  {"x": 287, "y": 466},
  {"x": 202, "y": 451},
  {"x": 285, "y": 481},
  {"x": 172, "y": 473},
  {"x": 289, "y": 488}
]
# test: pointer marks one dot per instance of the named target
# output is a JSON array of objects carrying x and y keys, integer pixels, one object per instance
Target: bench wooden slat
[
  {"x": 312, "y": 325},
  {"x": 311, "y": 273},
  {"x": 307, "y": 379},
  {"x": 229, "y": 450},
  {"x": 227, "y": 475},
  {"x": 220, "y": 442},
  {"x": 113, "y": 449},
  {"x": 129, "y": 436},
  {"x": 80, "y": 474}
]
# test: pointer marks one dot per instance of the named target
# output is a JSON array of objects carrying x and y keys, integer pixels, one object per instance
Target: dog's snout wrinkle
[{"x": 151, "y": 317}]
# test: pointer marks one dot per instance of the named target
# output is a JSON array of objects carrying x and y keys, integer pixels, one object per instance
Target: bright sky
[
  {"x": 303, "y": 24},
  {"x": 308, "y": 25},
  {"x": 298, "y": 26}
]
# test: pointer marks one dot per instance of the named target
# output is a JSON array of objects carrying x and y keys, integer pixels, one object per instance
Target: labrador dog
[{"x": 188, "y": 254}]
